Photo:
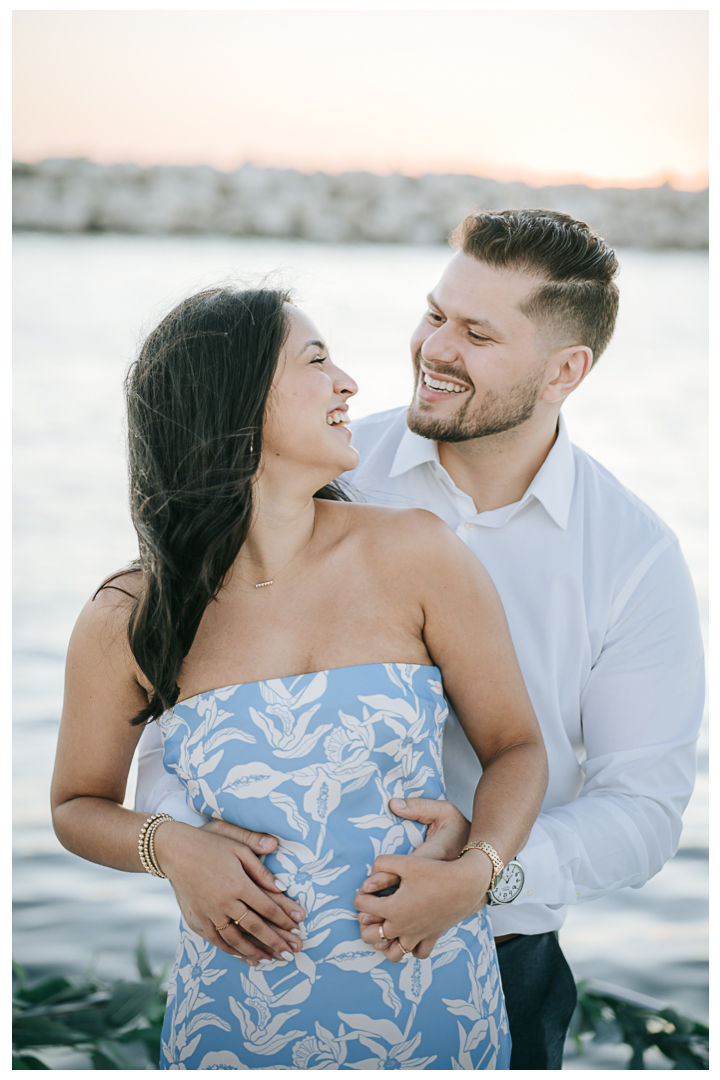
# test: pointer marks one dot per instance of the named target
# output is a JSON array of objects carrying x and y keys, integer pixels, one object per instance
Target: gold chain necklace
[{"x": 264, "y": 584}]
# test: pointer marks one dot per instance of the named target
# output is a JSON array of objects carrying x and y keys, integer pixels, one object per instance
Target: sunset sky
[{"x": 542, "y": 96}]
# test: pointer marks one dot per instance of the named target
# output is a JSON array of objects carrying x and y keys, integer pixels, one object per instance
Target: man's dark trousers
[{"x": 540, "y": 997}]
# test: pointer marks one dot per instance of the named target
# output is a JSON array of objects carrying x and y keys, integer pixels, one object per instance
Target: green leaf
[
  {"x": 40, "y": 1031},
  {"x": 130, "y": 1000},
  {"x": 149, "y": 1035},
  {"x": 141, "y": 959},
  {"x": 108, "y": 1055},
  {"x": 608, "y": 1031},
  {"x": 683, "y": 1050},
  {"x": 19, "y": 972},
  {"x": 27, "y": 1061},
  {"x": 637, "y": 1061},
  {"x": 92, "y": 1022},
  {"x": 77, "y": 991},
  {"x": 44, "y": 991}
]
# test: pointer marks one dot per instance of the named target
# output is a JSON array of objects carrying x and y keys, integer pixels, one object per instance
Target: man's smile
[{"x": 441, "y": 384}]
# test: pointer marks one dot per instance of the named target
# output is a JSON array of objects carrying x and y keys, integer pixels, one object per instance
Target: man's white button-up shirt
[{"x": 604, "y": 621}]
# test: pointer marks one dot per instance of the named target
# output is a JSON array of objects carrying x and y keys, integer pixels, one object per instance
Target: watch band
[{"x": 481, "y": 845}]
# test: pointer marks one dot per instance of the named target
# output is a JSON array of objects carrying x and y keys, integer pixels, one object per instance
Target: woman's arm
[
  {"x": 103, "y": 691},
  {"x": 467, "y": 636}
]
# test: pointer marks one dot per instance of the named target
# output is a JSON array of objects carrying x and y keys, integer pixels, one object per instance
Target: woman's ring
[
  {"x": 405, "y": 952},
  {"x": 238, "y": 921},
  {"x": 223, "y": 927},
  {"x": 381, "y": 932}
]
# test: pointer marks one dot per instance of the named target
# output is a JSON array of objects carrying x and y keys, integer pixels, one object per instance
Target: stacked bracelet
[{"x": 146, "y": 844}]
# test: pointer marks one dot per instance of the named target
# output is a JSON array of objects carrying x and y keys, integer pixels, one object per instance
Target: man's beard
[{"x": 497, "y": 413}]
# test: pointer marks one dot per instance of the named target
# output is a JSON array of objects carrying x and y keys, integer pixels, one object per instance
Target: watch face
[{"x": 510, "y": 884}]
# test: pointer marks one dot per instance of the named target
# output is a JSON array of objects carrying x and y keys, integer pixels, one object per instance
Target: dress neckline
[{"x": 302, "y": 674}]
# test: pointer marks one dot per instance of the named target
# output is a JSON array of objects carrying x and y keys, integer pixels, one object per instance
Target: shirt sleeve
[
  {"x": 159, "y": 791},
  {"x": 641, "y": 710}
]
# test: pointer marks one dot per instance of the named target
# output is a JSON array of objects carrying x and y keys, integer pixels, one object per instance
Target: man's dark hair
[{"x": 579, "y": 301}]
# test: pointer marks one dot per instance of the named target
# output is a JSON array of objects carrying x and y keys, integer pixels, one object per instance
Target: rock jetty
[{"x": 76, "y": 195}]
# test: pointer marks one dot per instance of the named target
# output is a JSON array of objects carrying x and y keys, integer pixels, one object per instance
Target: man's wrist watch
[{"x": 508, "y": 886}]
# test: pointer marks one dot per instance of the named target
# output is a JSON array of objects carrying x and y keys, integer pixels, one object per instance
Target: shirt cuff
[{"x": 546, "y": 881}]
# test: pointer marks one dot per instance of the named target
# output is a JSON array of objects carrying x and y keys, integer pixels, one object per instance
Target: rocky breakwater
[{"x": 75, "y": 195}]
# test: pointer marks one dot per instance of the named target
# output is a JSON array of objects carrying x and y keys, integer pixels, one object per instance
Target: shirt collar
[
  {"x": 413, "y": 450},
  {"x": 552, "y": 485}
]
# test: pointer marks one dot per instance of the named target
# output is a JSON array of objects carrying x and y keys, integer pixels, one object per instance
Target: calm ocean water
[{"x": 81, "y": 305}]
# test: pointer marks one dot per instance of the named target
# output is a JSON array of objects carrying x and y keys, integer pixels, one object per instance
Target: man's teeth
[
  {"x": 338, "y": 418},
  {"x": 438, "y": 384}
]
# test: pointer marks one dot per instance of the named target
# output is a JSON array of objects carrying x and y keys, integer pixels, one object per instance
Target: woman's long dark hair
[{"x": 196, "y": 399}]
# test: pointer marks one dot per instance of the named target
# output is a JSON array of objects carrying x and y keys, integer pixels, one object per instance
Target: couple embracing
[{"x": 415, "y": 712}]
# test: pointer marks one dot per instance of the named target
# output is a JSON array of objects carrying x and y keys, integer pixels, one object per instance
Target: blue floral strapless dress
[{"x": 314, "y": 760}]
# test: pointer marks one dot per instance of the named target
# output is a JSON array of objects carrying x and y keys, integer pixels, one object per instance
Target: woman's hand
[
  {"x": 433, "y": 896},
  {"x": 217, "y": 878}
]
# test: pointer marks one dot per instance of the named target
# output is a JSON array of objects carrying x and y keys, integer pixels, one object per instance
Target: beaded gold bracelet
[{"x": 146, "y": 844}]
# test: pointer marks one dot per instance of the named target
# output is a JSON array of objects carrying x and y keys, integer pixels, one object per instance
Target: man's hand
[
  {"x": 434, "y": 895},
  {"x": 260, "y": 843},
  {"x": 447, "y": 834},
  {"x": 217, "y": 876}
]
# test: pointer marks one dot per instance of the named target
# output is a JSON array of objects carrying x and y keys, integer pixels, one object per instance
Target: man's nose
[{"x": 439, "y": 347}]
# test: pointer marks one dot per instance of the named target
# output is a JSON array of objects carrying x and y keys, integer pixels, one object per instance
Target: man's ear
[{"x": 568, "y": 367}]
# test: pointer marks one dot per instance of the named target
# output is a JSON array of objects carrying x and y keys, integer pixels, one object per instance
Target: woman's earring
[{"x": 252, "y": 443}]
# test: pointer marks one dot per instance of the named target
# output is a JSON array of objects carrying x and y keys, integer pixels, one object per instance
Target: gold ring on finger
[
  {"x": 238, "y": 921},
  {"x": 381, "y": 932},
  {"x": 218, "y": 928},
  {"x": 405, "y": 952}
]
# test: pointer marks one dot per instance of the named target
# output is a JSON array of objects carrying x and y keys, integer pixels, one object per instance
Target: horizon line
[{"x": 531, "y": 178}]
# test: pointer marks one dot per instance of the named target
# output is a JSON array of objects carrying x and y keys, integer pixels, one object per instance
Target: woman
[{"x": 295, "y": 652}]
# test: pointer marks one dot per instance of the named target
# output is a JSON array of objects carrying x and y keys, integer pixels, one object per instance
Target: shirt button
[
  {"x": 529, "y": 892},
  {"x": 577, "y": 893},
  {"x": 468, "y": 525}
]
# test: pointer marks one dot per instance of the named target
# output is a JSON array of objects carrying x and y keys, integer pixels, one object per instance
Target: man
[{"x": 598, "y": 598}]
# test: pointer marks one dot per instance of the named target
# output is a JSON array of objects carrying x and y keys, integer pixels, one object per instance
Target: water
[{"x": 81, "y": 304}]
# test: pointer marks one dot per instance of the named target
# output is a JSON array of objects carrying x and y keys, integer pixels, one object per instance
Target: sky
[{"x": 598, "y": 97}]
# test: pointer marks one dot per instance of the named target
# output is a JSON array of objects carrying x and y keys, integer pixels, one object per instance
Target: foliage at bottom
[
  {"x": 613, "y": 1019},
  {"x": 89, "y": 1016},
  {"x": 103, "y": 1020}
]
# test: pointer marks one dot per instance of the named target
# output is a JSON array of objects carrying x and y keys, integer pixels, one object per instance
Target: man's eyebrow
[
  {"x": 482, "y": 322},
  {"x": 468, "y": 322}
]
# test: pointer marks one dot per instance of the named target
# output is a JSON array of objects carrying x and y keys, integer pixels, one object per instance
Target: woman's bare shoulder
[
  {"x": 409, "y": 522},
  {"x": 126, "y": 582},
  {"x": 100, "y": 664},
  {"x": 99, "y": 646},
  {"x": 108, "y": 610},
  {"x": 388, "y": 518},
  {"x": 419, "y": 546},
  {"x": 407, "y": 537}
]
